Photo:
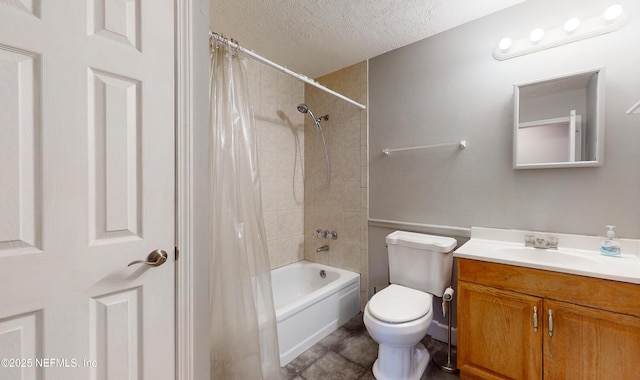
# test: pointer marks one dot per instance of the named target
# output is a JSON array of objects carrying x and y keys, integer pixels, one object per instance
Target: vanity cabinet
[{"x": 523, "y": 323}]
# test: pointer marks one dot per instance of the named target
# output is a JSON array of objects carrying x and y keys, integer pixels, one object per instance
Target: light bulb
[
  {"x": 505, "y": 44},
  {"x": 572, "y": 24},
  {"x": 536, "y": 35},
  {"x": 612, "y": 13}
]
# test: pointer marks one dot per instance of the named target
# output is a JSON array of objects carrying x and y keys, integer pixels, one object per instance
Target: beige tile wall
[
  {"x": 292, "y": 209},
  {"x": 343, "y": 206},
  {"x": 280, "y": 129}
]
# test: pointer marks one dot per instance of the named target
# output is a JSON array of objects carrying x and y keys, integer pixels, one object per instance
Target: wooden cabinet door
[
  {"x": 496, "y": 334},
  {"x": 588, "y": 343}
]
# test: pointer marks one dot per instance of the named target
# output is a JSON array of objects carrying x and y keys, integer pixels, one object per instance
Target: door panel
[
  {"x": 115, "y": 330},
  {"x": 590, "y": 344},
  {"x": 19, "y": 131},
  {"x": 87, "y": 173},
  {"x": 114, "y": 163},
  {"x": 496, "y": 329},
  {"x": 20, "y": 337}
]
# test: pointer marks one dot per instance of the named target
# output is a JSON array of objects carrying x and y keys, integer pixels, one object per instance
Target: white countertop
[{"x": 576, "y": 254}]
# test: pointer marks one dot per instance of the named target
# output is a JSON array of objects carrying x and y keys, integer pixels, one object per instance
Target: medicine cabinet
[{"x": 559, "y": 122}]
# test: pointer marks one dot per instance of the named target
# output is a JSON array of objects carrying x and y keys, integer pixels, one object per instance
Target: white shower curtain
[{"x": 243, "y": 329}]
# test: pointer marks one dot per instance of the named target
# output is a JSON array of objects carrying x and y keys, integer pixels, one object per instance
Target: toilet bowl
[{"x": 398, "y": 318}]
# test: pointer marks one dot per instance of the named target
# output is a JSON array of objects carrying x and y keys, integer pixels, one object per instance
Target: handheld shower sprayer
[{"x": 303, "y": 108}]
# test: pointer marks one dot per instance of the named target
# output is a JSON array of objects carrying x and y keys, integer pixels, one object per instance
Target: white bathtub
[{"x": 309, "y": 307}]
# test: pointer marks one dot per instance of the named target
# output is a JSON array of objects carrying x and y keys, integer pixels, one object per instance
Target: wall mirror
[{"x": 559, "y": 122}]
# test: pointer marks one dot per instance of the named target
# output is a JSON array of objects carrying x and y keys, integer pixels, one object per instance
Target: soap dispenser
[{"x": 611, "y": 245}]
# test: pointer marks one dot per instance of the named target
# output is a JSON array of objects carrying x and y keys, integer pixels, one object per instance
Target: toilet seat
[{"x": 399, "y": 304}]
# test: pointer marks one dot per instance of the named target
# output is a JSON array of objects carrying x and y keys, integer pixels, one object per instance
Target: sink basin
[
  {"x": 535, "y": 255},
  {"x": 576, "y": 254}
]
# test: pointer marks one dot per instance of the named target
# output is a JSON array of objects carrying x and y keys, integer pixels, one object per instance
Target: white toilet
[{"x": 398, "y": 316}]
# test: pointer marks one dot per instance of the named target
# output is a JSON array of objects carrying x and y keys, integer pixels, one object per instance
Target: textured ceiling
[{"x": 316, "y": 37}]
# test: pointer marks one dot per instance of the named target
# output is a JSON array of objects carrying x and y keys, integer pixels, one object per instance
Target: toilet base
[{"x": 400, "y": 363}]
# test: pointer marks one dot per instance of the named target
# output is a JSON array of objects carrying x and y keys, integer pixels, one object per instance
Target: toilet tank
[{"x": 420, "y": 261}]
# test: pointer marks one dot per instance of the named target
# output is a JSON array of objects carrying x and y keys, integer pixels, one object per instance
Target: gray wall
[{"x": 449, "y": 87}]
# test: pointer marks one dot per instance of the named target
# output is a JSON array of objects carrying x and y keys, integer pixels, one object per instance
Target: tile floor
[{"x": 348, "y": 353}]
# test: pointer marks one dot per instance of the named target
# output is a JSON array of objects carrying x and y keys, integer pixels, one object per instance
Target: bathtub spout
[{"x": 323, "y": 248}]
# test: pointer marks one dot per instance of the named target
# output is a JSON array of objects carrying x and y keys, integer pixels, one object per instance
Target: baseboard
[{"x": 438, "y": 331}]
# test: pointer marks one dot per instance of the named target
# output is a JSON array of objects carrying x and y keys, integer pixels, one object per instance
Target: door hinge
[{"x": 176, "y": 253}]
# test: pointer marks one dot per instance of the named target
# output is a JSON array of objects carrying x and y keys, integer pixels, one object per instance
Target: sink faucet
[
  {"x": 543, "y": 242},
  {"x": 323, "y": 248}
]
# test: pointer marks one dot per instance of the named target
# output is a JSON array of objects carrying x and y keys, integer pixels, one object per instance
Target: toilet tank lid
[{"x": 422, "y": 241}]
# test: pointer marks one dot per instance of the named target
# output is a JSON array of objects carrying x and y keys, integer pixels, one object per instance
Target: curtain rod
[{"x": 285, "y": 70}]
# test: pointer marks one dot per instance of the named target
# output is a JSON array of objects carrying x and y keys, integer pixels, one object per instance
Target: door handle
[{"x": 155, "y": 258}]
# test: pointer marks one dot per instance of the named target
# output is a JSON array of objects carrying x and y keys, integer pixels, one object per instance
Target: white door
[{"x": 86, "y": 187}]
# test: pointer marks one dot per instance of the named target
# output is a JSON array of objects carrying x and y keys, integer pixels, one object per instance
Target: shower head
[{"x": 303, "y": 108}]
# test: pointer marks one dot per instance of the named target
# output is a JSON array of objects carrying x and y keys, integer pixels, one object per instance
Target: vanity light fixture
[
  {"x": 536, "y": 35},
  {"x": 572, "y": 25},
  {"x": 505, "y": 44},
  {"x": 612, "y": 13},
  {"x": 574, "y": 29}
]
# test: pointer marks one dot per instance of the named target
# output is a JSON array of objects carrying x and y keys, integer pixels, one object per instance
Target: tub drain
[{"x": 323, "y": 274}]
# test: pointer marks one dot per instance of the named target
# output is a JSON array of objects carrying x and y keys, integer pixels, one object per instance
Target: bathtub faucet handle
[{"x": 326, "y": 234}]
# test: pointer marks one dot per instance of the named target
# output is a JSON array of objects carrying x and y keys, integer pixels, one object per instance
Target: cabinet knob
[
  {"x": 550, "y": 322},
  {"x": 535, "y": 319}
]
